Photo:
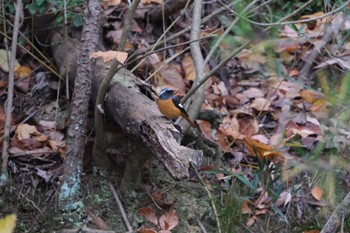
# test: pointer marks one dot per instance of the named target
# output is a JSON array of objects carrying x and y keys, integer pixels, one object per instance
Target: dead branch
[
  {"x": 121, "y": 208},
  {"x": 70, "y": 189},
  {"x": 342, "y": 211},
  {"x": 6, "y": 137},
  {"x": 140, "y": 118},
  {"x": 198, "y": 61}
]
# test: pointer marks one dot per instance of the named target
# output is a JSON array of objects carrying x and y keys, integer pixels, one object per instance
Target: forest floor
[{"x": 282, "y": 129}]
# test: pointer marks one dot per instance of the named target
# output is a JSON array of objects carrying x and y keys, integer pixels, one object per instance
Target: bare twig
[
  {"x": 198, "y": 62},
  {"x": 37, "y": 51},
  {"x": 6, "y": 140},
  {"x": 185, "y": 30},
  {"x": 210, "y": 197},
  {"x": 121, "y": 208},
  {"x": 281, "y": 23},
  {"x": 330, "y": 30},
  {"x": 334, "y": 222},
  {"x": 228, "y": 29},
  {"x": 201, "y": 226},
  {"x": 233, "y": 54},
  {"x": 65, "y": 64},
  {"x": 160, "y": 40}
]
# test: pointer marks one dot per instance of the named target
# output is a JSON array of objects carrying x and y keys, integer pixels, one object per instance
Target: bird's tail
[{"x": 189, "y": 120}]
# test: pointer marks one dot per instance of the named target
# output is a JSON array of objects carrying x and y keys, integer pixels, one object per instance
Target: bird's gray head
[{"x": 166, "y": 93}]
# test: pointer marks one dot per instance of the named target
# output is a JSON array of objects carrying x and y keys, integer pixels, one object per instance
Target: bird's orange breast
[{"x": 167, "y": 108}]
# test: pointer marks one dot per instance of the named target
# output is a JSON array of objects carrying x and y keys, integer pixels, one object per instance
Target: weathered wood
[{"x": 140, "y": 118}]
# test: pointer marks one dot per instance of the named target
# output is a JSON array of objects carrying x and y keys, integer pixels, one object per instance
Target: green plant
[{"x": 57, "y": 7}]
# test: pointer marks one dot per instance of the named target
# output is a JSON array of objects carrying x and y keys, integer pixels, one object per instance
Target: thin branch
[
  {"x": 185, "y": 30},
  {"x": 198, "y": 62},
  {"x": 334, "y": 222},
  {"x": 121, "y": 208},
  {"x": 234, "y": 54},
  {"x": 7, "y": 128},
  {"x": 281, "y": 23},
  {"x": 209, "y": 195},
  {"x": 228, "y": 30}
]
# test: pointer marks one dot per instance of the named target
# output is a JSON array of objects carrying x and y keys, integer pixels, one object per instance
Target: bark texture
[{"x": 69, "y": 195}]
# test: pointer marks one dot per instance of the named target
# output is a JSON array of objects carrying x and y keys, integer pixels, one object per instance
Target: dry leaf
[
  {"x": 152, "y": 1},
  {"x": 25, "y": 131},
  {"x": 8, "y": 224},
  {"x": 188, "y": 66},
  {"x": 317, "y": 192},
  {"x": 4, "y": 64},
  {"x": 22, "y": 71},
  {"x": 110, "y": 55},
  {"x": 261, "y": 104},
  {"x": 311, "y": 96},
  {"x": 245, "y": 209},
  {"x": 148, "y": 213},
  {"x": 262, "y": 150},
  {"x": 146, "y": 230},
  {"x": 283, "y": 199},
  {"x": 164, "y": 231},
  {"x": 169, "y": 220},
  {"x": 230, "y": 127},
  {"x": 170, "y": 74},
  {"x": 250, "y": 221},
  {"x": 253, "y": 92},
  {"x": 98, "y": 221},
  {"x": 106, "y": 3}
]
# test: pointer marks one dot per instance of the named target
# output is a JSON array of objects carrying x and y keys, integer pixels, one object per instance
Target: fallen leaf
[
  {"x": 110, "y": 55},
  {"x": 22, "y": 71},
  {"x": 262, "y": 150},
  {"x": 25, "y": 131},
  {"x": 188, "y": 66},
  {"x": 261, "y": 104},
  {"x": 317, "y": 193},
  {"x": 169, "y": 220},
  {"x": 8, "y": 223},
  {"x": 146, "y": 230},
  {"x": 170, "y": 75},
  {"x": 284, "y": 198},
  {"x": 4, "y": 64},
  {"x": 245, "y": 209},
  {"x": 164, "y": 231},
  {"x": 253, "y": 92},
  {"x": 111, "y": 2},
  {"x": 98, "y": 221},
  {"x": 148, "y": 213},
  {"x": 230, "y": 127},
  {"x": 152, "y": 1},
  {"x": 311, "y": 96},
  {"x": 250, "y": 221}
]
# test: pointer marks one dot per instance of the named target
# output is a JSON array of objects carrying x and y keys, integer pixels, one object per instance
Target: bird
[{"x": 169, "y": 105}]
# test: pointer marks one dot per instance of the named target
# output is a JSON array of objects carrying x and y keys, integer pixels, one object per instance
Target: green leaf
[
  {"x": 78, "y": 21},
  {"x": 39, "y": 2},
  {"x": 247, "y": 182},
  {"x": 294, "y": 27},
  {"x": 59, "y": 20},
  {"x": 54, "y": 9},
  {"x": 33, "y": 8}
]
